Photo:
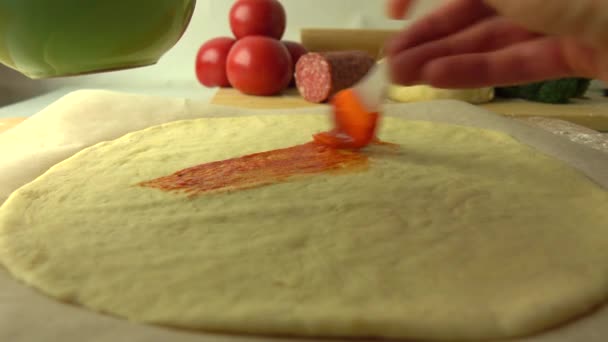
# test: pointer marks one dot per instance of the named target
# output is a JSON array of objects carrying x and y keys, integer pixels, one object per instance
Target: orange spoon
[{"x": 356, "y": 112}]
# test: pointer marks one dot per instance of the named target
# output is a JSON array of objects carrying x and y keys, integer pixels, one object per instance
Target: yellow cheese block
[{"x": 428, "y": 93}]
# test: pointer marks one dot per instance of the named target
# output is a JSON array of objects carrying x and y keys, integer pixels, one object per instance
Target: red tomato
[
  {"x": 259, "y": 66},
  {"x": 296, "y": 50},
  {"x": 258, "y": 18},
  {"x": 211, "y": 62}
]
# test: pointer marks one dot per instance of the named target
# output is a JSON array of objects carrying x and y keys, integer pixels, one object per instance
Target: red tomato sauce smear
[{"x": 260, "y": 169}]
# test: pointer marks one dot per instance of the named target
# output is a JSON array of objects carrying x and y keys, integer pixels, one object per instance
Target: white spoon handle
[{"x": 372, "y": 88}]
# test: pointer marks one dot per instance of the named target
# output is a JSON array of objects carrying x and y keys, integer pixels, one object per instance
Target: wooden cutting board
[{"x": 591, "y": 112}]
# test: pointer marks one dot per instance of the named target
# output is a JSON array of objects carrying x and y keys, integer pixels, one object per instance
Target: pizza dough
[
  {"x": 427, "y": 93},
  {"x": 480, "y": 237}
]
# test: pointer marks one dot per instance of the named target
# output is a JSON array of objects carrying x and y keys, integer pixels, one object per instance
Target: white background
[{"x": 174, "y": 74}]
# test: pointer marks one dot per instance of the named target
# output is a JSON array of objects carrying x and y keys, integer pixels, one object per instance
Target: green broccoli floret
[
  {"x": 583, "y": 86},
  {"x": 560, "y": 91},
  {"x": 552, "y": 91},
  {"x": 526, "y": 91}
]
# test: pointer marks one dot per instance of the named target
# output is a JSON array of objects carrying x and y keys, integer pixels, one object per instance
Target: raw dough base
[
  {"x": 482, "y": 237},
  {"x": 428, "y": 93}
]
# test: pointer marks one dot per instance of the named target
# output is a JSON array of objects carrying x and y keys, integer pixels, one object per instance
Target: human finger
[
  {"x": 530, "y": 61},
  {"x": 587, "y": 19},
  {"x": 490, "y": 34},
  {"x": 449, "y": 18}
]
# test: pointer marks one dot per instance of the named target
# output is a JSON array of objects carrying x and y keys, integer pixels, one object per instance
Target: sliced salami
[{"x": 321, "y": 75}]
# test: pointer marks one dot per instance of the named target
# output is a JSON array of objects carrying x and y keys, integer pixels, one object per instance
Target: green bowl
[{"x": 50, "y": 38}]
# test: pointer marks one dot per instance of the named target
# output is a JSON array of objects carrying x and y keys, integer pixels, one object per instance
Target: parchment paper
[{"x": 84, "y": 118}]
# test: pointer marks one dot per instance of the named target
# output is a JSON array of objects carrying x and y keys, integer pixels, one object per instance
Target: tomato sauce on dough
[{"x": 260, "y": 169}]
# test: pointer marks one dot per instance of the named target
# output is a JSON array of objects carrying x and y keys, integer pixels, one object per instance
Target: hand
[{"x": 478, "y": 43}]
